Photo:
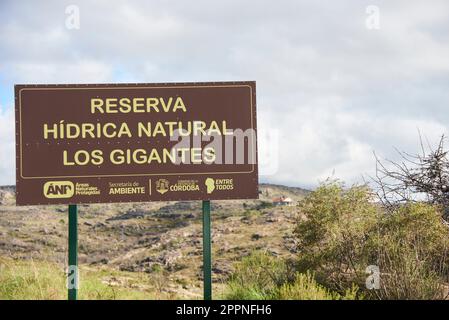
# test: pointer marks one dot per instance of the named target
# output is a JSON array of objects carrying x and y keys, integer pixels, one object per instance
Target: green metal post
[
  {"x": 72, "y": 277},
  {"x": 207, "y": 255}
]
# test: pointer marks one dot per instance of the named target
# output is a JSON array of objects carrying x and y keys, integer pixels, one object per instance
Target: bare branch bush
[{"x": 413, "y": 178}]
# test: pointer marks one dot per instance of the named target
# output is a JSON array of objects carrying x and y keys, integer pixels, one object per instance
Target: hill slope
[{"x": 160, "y": 239}]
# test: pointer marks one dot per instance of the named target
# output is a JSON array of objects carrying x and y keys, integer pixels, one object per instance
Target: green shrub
[
  {"x": 264, "y": 205},
  {"x": 257, "y": 276},
  {"x": 334, "y": 235},
  {"x": 261, "y": 276},
  {"x": 306, "y": 288},
  {"x": 343, "y": 230},
  {"x": 413, "y": 248}
]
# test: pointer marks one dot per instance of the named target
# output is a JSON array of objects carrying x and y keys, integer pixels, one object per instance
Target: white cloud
[
  {"x": 334, "y": 90},
  {"x": 7, "y": 146},
  {"x": 83, "y": 71}
]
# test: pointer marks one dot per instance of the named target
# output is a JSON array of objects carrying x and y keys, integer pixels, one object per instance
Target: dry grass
[{"x": 37, "y": 280}]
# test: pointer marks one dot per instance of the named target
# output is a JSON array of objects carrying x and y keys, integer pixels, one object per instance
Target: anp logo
[{"x": 58, "y": 189}]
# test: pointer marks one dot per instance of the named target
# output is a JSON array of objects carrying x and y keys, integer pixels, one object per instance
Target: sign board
[{"x": 99, "y": 143}]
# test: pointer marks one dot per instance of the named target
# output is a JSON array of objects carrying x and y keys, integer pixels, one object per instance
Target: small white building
[{"x": 282, "y": 201}]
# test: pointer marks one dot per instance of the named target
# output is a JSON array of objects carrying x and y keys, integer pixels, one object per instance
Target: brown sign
[{"x": 101, "y": 143}]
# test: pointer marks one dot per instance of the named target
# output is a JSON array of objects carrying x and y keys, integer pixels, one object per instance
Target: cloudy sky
[{"x": 336, "y": 80}]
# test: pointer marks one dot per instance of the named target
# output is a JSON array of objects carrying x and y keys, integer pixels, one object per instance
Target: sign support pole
[
  {"x": 207, "y": 255},
  {"x": 72, "y": 276}
]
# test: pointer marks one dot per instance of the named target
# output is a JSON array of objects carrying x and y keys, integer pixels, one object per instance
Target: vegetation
[
  {"x": 342, "y": 231},
  {"x": 413, "y": 248},
  {"x": 261, "y": 276},
  {"x": 333, "y": 236},
  {"x": 22, "y": 280},
  {"x": 321, "y": 249}
]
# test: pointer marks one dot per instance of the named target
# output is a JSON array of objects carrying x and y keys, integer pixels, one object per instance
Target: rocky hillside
[{"x": 159, "y": 238}]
